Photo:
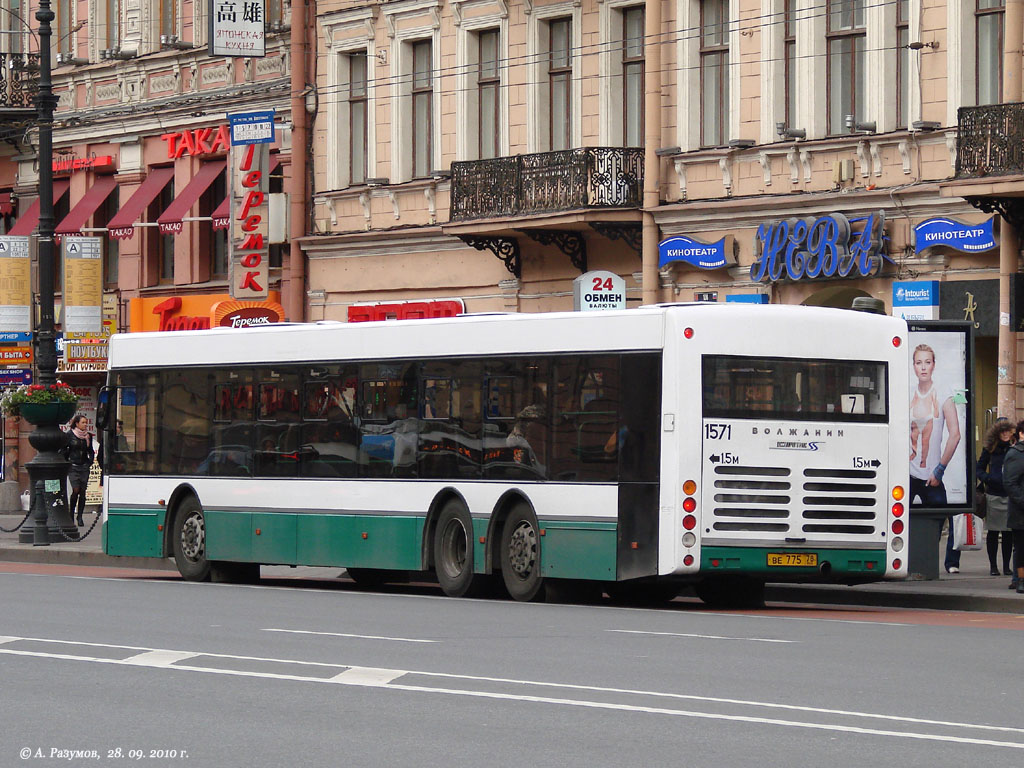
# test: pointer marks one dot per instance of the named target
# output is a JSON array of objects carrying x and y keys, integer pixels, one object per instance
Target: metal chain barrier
[{"x": 18, "y": 526}]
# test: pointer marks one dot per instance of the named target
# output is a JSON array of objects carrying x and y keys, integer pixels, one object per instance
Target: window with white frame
[
  {"x": 169, "y": 12},
  {"x": 422, "y": 117},
  {"x": 633, "y": 76},
  {"x": 488, "y": 96},
  {"x": 847, "y": 49},
  {"x": 110, "y": 36},
  {"x": 902, "y": 63},
  {"x": 714, "y": 72},
  {"x": 358, "y": 116},
  {"x": 559, "y": 83},
  {"x": 63, "y": 34},
  {"x": 789, "y": 57},
  {"x": 988, "y": 15},
  {"x": 12, "y": 27}
]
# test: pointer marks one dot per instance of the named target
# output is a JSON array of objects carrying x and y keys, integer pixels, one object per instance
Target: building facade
[{"x": 490, "y": 152}]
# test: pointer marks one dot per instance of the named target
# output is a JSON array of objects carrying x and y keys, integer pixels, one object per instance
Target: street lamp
[{"x": 48, "y": 468}]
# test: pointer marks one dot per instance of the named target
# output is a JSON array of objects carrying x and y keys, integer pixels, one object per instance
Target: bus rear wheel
[
  {"x": 453, "y": 549},
  {"x": 189, "y": 541},
  {"x": 520, "y": 555}
]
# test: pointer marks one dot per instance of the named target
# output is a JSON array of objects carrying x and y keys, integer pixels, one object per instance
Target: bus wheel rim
[
  {"x": 453, "y": 548},
  {"x": 522, "y": 550},
  {"x": 193, "y": 537}
]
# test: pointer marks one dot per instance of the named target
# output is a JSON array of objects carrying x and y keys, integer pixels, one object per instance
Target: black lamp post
[{"x": 48, "y": 470}]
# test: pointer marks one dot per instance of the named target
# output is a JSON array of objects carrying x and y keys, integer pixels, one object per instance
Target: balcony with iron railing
[
  {"x": 19, "y": 82},
  {"x": 990, "y": 140},
  {"x": 547, "y": 182}
]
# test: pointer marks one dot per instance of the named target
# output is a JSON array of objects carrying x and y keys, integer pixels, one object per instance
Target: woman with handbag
[{"x": 989, "y": 473}]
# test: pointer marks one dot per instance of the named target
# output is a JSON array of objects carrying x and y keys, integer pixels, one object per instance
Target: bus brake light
[{"x": 897, "y": 510}]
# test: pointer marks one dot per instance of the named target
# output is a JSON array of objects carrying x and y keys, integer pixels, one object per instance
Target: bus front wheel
[
  {"x": 520, "y": 555},
  {"x": 189, "y": 540},
  {"x": 453, "y": 549}
]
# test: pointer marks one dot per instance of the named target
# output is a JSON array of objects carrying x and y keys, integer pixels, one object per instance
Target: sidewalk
[{"x": 973, "y": 589}]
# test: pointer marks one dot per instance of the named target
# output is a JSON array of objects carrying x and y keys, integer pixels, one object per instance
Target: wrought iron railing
[
  {"x": 990, "y": 140},
  {"x": 19, "y": 80},
  {"x": 591, "y": 177}
]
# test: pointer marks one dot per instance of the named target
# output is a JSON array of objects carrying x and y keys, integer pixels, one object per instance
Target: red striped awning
[
  {"x": 87, "y": 206},
  {"x": 6, "y": 204},
  {"x": 170, "y": 221},
  {"x": 28, "y": 221},
  {"x": 122, "y": 226}
]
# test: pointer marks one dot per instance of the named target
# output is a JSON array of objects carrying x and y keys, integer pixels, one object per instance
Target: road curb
[
  {"x": 53, "y": 555},
  {"x": 891, "y": 598}
]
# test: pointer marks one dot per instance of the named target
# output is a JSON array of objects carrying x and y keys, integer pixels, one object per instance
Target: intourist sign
[
  {"x": 915, "y": 299},
  {"x": 969, "y": 238},
  {"x": 814, "y": 249},
  {"x": 691, "y": 251}
]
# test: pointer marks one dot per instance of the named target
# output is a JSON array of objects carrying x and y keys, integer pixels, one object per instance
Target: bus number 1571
[{"x": 718, "y": 431}]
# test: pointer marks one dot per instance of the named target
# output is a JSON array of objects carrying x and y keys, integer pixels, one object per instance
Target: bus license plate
[{"x": 785, "y": 559}]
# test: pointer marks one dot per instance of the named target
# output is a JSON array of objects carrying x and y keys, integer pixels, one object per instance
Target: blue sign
[
  {"x": 703, "y": 255},
  {"x": 826, "y": 247},
  {"x": 252, "y": 127},
  {"x": 969, "y": 238},
  {"x": 13, "y": 337},
  {"x": 15, "y": 376},
  {"x": 748, "y": 298},
  {"x": 915, "y": 293}
]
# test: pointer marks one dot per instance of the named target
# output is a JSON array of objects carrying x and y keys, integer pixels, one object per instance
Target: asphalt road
[{"x": 294, "y": 675}]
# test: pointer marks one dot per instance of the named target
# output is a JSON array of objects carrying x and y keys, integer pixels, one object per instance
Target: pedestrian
[
  {"x": 80, "y": 453},
  {"x": 989, "y": 472},
  {"x": 1013, "y": 481}
]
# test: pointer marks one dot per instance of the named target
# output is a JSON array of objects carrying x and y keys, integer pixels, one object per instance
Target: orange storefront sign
[{"x": 192, "y": 313}]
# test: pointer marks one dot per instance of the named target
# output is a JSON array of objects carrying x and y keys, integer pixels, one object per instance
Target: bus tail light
[
  {"x": 897, "y": 526},
  {"x": 688, "y": 560},
  {"x": 689, "y": 539},
  {"x": 897, "y": 493},
  {"x": 689, "y": 487},
  {"x": 689, "y": 522},
  {"x": 897, "y": 544},
  {"x": 689, "y": 504},
  {"x": 897, "y": 510},
  {"x": 897, "y": 564}
]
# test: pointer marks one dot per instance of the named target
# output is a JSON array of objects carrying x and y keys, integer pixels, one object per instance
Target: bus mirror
[{"x": 102, "y": 416}]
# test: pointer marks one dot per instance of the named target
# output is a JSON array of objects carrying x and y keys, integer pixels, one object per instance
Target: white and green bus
[{"x": 720, "y": 445}]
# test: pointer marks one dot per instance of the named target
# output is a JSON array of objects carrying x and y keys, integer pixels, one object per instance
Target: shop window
[
  {"x": 215, "y": 241},
  {"x": 111, "y": 257},
  {"x": 161, "y": 246}
]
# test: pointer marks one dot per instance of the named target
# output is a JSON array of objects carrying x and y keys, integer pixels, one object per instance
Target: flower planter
[{"x": 47, "y": 413}]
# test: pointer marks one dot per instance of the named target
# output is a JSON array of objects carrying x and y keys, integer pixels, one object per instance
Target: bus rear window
[{"x": 792, "y": 388}]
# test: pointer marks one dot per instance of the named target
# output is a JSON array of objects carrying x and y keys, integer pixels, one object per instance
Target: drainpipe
[
  {"x": 1009, "y": 239},
  {"x": 294, "y": 300},
  {"x": 652, "y": 140}
]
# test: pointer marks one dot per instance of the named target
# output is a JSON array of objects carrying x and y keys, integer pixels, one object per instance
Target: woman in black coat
[
  {"x": 79, "y": 452},
  {"x": 1013, "y": 480},
  {"x": 989, "y": 472}
]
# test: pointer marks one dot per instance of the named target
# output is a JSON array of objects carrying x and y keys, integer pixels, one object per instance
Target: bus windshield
[{"x": 796, "y": 389}]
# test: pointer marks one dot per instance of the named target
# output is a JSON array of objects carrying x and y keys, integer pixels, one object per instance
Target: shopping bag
[{"x": 966, "y": 532}]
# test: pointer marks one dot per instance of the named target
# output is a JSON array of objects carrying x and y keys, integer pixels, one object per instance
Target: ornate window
[
  {"x": 560, "y": 83},
  {"x": 988, "y": 16},
  {"x": 714, "y": 72},
  {"x": 422, "y": 107},
  {"x": 358, "y": 90},
  {"x": 633, "y": 76},
  {"x": 488, "y": 84}
]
